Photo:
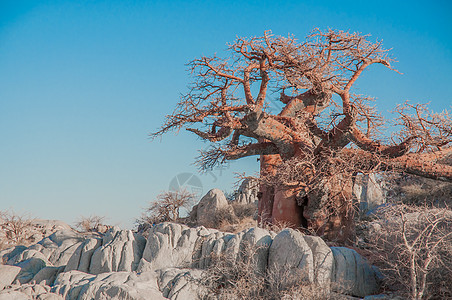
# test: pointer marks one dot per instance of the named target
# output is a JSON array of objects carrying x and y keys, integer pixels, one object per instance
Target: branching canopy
[{"x": 321, "y": 118}]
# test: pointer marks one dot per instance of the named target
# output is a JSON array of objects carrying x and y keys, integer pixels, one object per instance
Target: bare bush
[
  {"x": 414, "y": 190},
  {"x": 166, "y": 207},
  {"x": 91, "y": 224},
  {"x": 245, "y": 210},
  {"x": 413, "y": 247},
  {"x": 15, "y": 228},
  {"x": 236, "y": 217}
]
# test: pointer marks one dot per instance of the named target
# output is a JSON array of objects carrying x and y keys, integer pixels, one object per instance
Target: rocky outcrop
[
  {"x": 247, "y": 192},
  {"x": 113, "y": 285},
  {"x": 121, "y": 251},
  {"x": 209, "y": 206},
  {"x": 124, "y": 265}
]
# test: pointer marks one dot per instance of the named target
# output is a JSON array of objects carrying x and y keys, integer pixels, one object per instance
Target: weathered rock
[
  {"x": 30, "y": 291},
  {"x": 171, "y": 245},
  {"x": 81, "y": 258},
  {"x": 114, "y": 285},
  {"x": 13, "y": 295},
  {"x": 247, "y": 192},
  {"x": 291, "y": 256},
  {"x": 368, "y": 192},
  {"x": 59, "y": 247},
  {"x": 352, "y": 274},
  {"x": 257, "y": 240},
  {"x": 7, "y": 275},
  {"x": 181, "y": 284},
  {"x": 121, "y": 251},
  {"x": 323, "y": 260},
  {"x": 9, "y": 253},
  {"x": 47, "y": 275},
  {"x": 169, "y": 249},
  {"x": 29, "y": 268},
  {"x": 25, "y": 255},
  {"x": 209, "y": 206}
]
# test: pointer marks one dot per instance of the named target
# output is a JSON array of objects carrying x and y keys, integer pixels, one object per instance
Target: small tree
[
  {"x": 414, "y": 247},
  {"x": 167, "y": 205}
]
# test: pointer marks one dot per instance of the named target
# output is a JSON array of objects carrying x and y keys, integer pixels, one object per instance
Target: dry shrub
[
  {"x": 415, "y": 190},
  {"x": 166, "y": 207},
  {"x": 91, "y": 224},
  {"x": 245, "y": 210},
  {"x": 236, "y": 217},
  {"x": 15, "y": 228},
  {"x": 413, "y": 248},
  {"x": 230, "y": 278}
]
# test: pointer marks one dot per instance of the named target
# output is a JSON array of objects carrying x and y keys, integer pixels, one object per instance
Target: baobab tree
[{"x": 324, "y": 134}]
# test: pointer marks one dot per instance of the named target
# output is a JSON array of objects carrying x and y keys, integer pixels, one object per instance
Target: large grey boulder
[
  {"x": 27, "y": 254},
  {"x": 209, "y": 206},
  {"x": 291, "y": 257},
  {"x": 323, "y": 260},
  {"x": 177, "y": 246},
  {"x": 74, "y": 285},
  {"x": 257, "y": 241},
  {"x": 352, "y": 274},
  {"x": 121, "y": 251},
  {"x": 7, "y": 275}
]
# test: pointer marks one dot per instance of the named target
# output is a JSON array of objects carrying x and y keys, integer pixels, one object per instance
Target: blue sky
[{"x": 82, "y": 83}]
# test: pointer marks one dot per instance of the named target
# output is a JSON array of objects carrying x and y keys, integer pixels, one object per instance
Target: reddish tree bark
[{"x": 309, "y": 149}]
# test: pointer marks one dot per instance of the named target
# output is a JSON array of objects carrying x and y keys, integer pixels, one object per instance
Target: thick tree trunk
[
  {"x": 328, "y": 210},
  {"x": 286, "y": 210},
  {"x": 267, "y": 193}
]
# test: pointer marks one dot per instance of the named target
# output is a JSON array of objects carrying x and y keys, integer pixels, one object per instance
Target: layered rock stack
[{"x": 124, "y": 265}]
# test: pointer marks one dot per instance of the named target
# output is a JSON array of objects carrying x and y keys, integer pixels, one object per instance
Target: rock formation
[{"x": 124, "y": 265}]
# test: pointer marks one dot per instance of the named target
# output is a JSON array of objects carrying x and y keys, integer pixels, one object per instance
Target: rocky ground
[
  {"x": 121, "y": 264},
  {"x": 172, "y": 261}
]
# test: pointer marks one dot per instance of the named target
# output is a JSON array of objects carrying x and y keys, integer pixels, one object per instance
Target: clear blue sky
[{"x": 82, "y": 83}]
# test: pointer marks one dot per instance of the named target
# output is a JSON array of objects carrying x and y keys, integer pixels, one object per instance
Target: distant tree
[
  {"x": 323, "y": 135},
  {"x": 166, "y": 206}
]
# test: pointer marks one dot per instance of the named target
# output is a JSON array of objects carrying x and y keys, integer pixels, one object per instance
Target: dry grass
[
  {"x": 229, "y": 278},
  {"x": 414, "y": 190},
  {"x": 236, "y": 217}
]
